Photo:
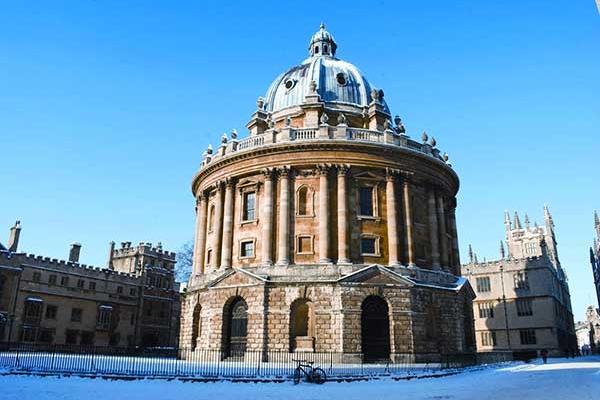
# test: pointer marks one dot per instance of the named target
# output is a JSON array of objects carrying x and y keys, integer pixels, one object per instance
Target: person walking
[{"x": 544, "y": 354}]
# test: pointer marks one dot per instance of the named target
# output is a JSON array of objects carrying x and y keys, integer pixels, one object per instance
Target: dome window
[
  {"x": 289, "y": 84},
  {"x": 341, "y": 79}
]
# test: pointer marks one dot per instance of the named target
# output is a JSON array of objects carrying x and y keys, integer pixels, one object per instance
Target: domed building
[{"x": 327, "y": 229}]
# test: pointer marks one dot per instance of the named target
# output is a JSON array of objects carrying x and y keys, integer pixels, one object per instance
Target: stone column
[
  {"x": 444, "y": 259},
  {"x": 342, "y": 223},
  {"x": 433, "y": 229},
  {"x": 267, "y": 219},
  {"x": 200, "y": 242},
  {"x": 324, "y": 214},
  {"x": 392, "y": 218},
  {"x": 227, "y": 243},
  {"x": 217, "y": 227},
  {"x": 283, "y": 237},
  {"x": 454, "y": 234},
  {"x": 408, "y": 223}
]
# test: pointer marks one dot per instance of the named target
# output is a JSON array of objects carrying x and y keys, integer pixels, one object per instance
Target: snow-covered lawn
[{"x": 560, "y": 379}]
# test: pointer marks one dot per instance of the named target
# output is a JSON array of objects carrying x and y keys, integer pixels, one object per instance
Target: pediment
[
  {"x": 368, "y": 175},
  {"x": 376, "y": 275},
  {"x": 237, "y": 277}
]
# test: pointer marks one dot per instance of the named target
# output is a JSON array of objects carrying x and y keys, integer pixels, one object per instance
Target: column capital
[
  {"x": 219, "y": 184},
  {"x": 229, "y": 182},
  {"x": 391, "y": 174},
  {"x": 407, "y": 176},
  {"x": 323, "y": 169},
  {"x": 284, "y": 171},
  {"x": 342, "y": 169},
  {"x": 268, "y": 172}
]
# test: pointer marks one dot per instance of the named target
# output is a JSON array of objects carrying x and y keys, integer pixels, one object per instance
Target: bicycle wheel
[
  {"x": 297, "y": 375},
  {"x": 319, "y": 376}
]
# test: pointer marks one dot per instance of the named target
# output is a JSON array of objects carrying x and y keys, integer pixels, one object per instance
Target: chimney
[
  {"x": 111, "y": 250},
  {"x": 74, "y": 252},
  {"x": 13, "y": 239}
]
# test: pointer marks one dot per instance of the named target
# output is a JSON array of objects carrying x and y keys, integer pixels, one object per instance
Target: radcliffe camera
[{"x": 351, "y": 201}]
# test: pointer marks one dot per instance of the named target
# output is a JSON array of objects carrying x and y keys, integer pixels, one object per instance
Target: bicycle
[{"x": 312, "y": 374}]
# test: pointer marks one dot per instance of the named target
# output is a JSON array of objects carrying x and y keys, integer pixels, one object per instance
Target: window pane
[
  {"x": 249, "y": 206},
  {"x": 366, "y": 201},
  {"x": 367, "y": 246}
]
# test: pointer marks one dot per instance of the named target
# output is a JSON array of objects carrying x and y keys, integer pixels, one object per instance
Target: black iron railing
[{"x": 172, "y": 362}]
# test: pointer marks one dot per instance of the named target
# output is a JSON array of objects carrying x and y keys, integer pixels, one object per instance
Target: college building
[
  {"x": 523, "y": 301},
  {"x": 134, "y": 301}
]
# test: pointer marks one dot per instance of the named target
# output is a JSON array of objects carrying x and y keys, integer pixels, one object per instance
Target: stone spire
[
  {"x": 526, "y": 221},
  {"x": 470, "y": 254},
  {"x": 517, "y": 223},
  {"x": 507, "y": 220}
]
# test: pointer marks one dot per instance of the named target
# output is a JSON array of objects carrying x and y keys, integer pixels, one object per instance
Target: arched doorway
[
  {"x": 196, "y": 326},
  {"x": 301, "y": 326},
  {"x": 375, "y": 329},
  {"x": 235, "y": 328}
]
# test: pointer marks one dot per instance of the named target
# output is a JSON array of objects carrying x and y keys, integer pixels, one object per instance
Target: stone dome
[{"x": 339, "y": 84}]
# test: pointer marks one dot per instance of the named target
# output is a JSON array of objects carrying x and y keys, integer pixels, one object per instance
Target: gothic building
[
  {"x": 523, "y": 301},
  {"x": 134, "y": 301},
  {"x": 327, "y": 229}
]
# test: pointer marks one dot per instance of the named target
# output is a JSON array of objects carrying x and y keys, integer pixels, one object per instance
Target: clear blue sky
[{"x": 106, "y": 108}]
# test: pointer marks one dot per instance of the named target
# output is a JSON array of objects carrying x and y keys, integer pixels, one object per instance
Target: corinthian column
[
  {"x": 283, "y": 237},
  {"x": 200, "y": 242},
  {"x": 444, "y": 259},
  {"x": 226, "y": 248},
  {"x": 408, "y": 224},
  {"x": 342, "y": 211},
  {"x": 324, "y": 214},
  {"x": 454, "y": 234},
  {"x": 267, "y": 219},
  {"x": 218, "y": 226},
  {"x": 392, "y": 218},
  {"x": 433, "y": 230}
]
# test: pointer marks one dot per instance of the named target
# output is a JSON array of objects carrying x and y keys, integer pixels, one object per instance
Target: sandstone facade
[{"x": 327, "y": 229}]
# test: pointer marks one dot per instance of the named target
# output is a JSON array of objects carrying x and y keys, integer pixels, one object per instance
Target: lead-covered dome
[{"x": 338, "y": 83}]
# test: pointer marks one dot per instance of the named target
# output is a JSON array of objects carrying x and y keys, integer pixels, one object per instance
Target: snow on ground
[{"x": 560, "y": 379}]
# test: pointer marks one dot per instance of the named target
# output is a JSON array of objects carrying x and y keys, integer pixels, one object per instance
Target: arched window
[
  {"x": 235, "y": 328},
  {"x": 316, "y": 49},
  {"x": 303, "y": 201},
  {"x": 211, "y": 218},
  {"x": 196, "y": 325},
  {"x": 208, "y": 257},
  {"x": 375, "y": 329},
  {"x": 325, "y": 49},
  {"x": 302, "y": 326}
]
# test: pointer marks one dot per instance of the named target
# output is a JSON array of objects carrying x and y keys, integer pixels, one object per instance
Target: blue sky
[{"x": 106, "y": 108}]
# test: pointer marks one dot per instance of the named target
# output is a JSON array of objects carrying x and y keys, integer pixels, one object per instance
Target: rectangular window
[
  {"x": 132, "y": 292},
  {"x": 52, "y": 280},
  {"x": 486, "y": 310},
  {"x": 488, "y": 338},
  {"x": 51, "y": 312},
  {"x": 37, "y": 276},
  {"x": 104, "y": 317},
  {"x": 64, "y": 281},
  {"x": 247, "y": 249},
  {"x": 119, "y": 289},
  {"x": 483, "y": 284},
  {"x": 80, "y": 283},
  {"x": 521, "y": 281},
  {"x": 524, "y": 307},
  {"x": 368, "y": 246},
  {"x": 305, "y": 245},
  {"x": 71, "y": 336},
  {"x": 29, "y": 334},
  {"x": 249, "y": 213},
  {"x": 76, "y": 314},
  {"x": 366, "y": 201},
  {"x": 528, "y": 336},
  {"x": 92, "y": 285}
]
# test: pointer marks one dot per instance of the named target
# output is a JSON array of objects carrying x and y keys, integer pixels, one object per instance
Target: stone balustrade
[{"x": 288, "y": 134}]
